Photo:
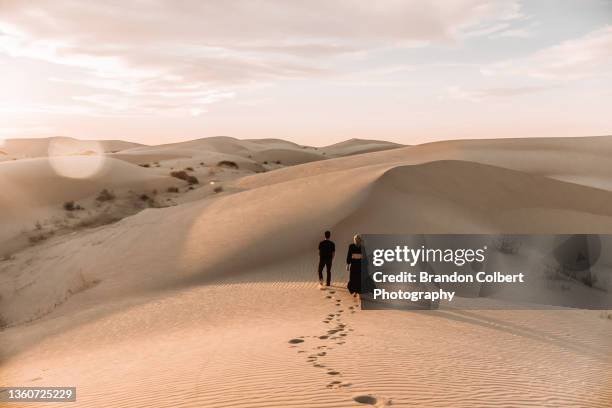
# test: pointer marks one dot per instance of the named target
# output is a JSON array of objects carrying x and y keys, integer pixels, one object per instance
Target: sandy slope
[
  {"x": 34, "y": 191},
  {"x": 194, "y": 305}
]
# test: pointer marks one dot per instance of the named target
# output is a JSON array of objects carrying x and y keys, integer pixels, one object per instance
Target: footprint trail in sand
[{"x": 336, "y": 335}]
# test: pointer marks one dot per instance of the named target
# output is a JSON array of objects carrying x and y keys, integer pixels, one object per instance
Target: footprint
[
  {"x": 365, "y": 399},
  {"x": 372, "y": 400},
  {"x": 296, "y": 341}
]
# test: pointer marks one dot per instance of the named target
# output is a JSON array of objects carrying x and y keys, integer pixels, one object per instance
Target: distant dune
[
  {"x": 28, "y": 148},
  {"x": 207, "y": 292},
  {"x": 358, "y": 146}
]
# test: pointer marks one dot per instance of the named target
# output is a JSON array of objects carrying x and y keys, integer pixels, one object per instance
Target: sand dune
[
  {"x": 212, "y": 239},
  {"x": 358, "y": 146},
  {"x": 580, "y": 159},
  {"x": 256, "y": 151},
  {"x": 28, "y": 148},
  {"x": 214, "y": 290}
]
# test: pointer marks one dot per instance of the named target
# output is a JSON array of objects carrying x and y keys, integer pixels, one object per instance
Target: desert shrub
[
  {"x": 218, "y": 189},
  {"x": 98, "y": 220},
  {"x": 508, "y": 244},
  {"x": 173, "y": 189},
  {"x": 35, "y": 239},
  {"x": 265, "y": 162},
  {"x": 144, "y": 197},
  {"x": 72, "y": 206},
  {"x": 278, "y": 162},
  {"x": 105, "y": 195},
  {"x": 182, "y": 175},
  {"x": 189, "y": 169},
  {"x": 38, "y": 225},
  {"x": 227, "y": 163},
  {"x": 201, "y": 163},
  {"x": 145, "y": 165}
]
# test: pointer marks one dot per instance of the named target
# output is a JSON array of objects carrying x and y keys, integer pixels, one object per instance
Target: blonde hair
[{"x": 357, "y": 239}]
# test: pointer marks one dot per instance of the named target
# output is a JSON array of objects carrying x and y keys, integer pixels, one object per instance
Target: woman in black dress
[{"x": 353, "y": 265}]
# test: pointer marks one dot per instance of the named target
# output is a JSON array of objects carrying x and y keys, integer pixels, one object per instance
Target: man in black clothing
[{"x": 327, "y": 250}]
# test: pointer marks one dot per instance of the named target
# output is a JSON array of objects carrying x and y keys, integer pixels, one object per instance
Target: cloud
[
  {"x": 584, "y": 57},
  {"x": 311, "y": 25},
  {"x": 167, "y": 56}
]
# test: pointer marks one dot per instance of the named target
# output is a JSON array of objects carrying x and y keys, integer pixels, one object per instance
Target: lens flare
[{"x": 76, "y": 159}]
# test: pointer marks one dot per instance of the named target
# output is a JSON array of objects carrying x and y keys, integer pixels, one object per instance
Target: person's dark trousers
[{"x": 327, "y": 262}]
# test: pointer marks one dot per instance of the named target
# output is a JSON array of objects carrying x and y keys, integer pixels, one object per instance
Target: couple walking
[{"x": 327, "y": 251}]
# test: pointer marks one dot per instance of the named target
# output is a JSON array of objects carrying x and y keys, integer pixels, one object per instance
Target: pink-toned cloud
[
  {"x": 129, "y": 52},
  {"x": 584, "y": 57}
]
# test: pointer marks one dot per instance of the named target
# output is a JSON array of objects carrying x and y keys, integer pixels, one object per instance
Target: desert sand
[{"x": 203, "y": 296}]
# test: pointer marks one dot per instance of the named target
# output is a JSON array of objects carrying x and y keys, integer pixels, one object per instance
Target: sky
[{"x": 314, "y": 72}]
